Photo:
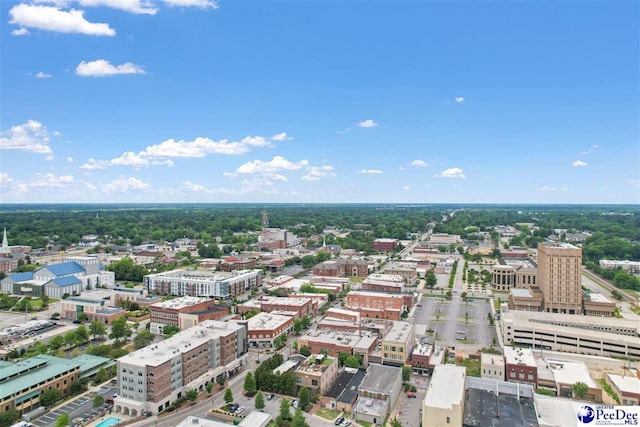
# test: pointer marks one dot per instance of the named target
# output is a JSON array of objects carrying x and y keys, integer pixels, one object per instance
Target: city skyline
[{"x": 333, "y": 102}]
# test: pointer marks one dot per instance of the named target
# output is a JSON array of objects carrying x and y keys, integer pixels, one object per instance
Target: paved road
[{"x": 591, "y": 281}]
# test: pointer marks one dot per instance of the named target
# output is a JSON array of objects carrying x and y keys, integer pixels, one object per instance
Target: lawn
[
  {"x": 472, "y": 365},
  {"x": 327, "y": 414}
]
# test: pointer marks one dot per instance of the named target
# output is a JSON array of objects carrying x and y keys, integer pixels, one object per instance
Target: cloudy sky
[{"x": 319, "y": 101}]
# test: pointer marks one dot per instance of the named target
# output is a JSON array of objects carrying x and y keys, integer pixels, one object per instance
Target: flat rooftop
[
  {"x": 200, "y": 275},
  {"x": 158, "y": 353},
  {"x": 446, "y": 387},
  {"x": 377, "y": 277},
  {"x": 626, "y": 384},
  {"x": 375, "y": 294},
  {"x": 379, "y": 378},
  {"x": 267, "y": 321},
  {"x": 486, "y": 409},
  {"x": 492, "y": 359},
  {"x": 179, "y": 303},
  {"x": 598, "y": 298},
  {"x": 400, "y": 332},
  {"x": 520, "y": 262},
  {"x": 519, "y": 356},
  {"x": 521, "y": 293},
  {"x": 555, "y": 322},
  {"x": 363, "y": 341},
  {"x": 566, "y": 372}
]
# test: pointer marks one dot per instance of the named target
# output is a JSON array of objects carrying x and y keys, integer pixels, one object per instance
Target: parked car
[
  {"x": 411, "y": 394},
  {"x": 345, "y": 423},
  {"x": 240, "y": 410},
  {"x": 233, "y": 407},
  {"x": 294, "y": 403},
  {"x": 270, "y": 396},
  {"x": 77, "y": 322},
  {"x": 339, "y": 421}
]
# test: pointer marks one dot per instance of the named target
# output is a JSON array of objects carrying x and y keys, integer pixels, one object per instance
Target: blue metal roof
[
  {"x": 65, "y": 268},
  {"x": 22, "y": 277},
  {"x": 66, "y": 281}
]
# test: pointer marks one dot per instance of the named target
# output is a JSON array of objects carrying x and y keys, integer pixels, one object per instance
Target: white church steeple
[{"x": 5, "y": 243}]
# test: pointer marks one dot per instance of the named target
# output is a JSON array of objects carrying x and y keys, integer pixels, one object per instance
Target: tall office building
[{"x": 559, "y": 277}]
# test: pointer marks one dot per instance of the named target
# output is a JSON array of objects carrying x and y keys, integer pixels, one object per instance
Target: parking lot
[
  {"x": 457, "y": 323},
  {"x": 81, "y": 407},
  {"x": 409, "y": 409}
]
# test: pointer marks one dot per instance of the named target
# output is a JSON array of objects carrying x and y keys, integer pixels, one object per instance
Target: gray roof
[
  {"x": 379, "y": 378},
  {"x": 484, "y": 409}
]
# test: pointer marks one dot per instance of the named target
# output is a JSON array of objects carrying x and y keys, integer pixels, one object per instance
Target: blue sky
[{"x": 319, "y": 101}]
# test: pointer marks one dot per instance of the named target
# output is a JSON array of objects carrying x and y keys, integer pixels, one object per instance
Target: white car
[{"x": 240, "y": 410}]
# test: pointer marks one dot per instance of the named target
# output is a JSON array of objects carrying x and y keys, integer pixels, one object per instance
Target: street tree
[
  {"x": 82, "y": 334},
  {"x": 298, "y": 419},
  {"x": 259, "y": 401},
  {"x": 49, "y": 397},
  {"x": 303, "y": 397},
  {"x": 249, "y": 384},
  {"x": 143, "y": 339},
  {"x": 62, "y": 421},
  {"x": 580, "y": 390},
  {"x": 192, "y": 395},
  {"x": 120, "y": 329},
  {"x": 97, "y": 329},
  {"x": 98, "y": 401},
  {"x": 406, "y": 374},
  {"x": 228, "y": 396}
]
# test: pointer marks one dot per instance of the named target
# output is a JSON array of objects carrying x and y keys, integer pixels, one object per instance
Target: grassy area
[
  {"x": 327, "y": 362},
  {"x": 472, "y": 365},
  {"x": 356, "y": 279},
  {"x": 363, "y": 423},
  {"x": 606, "y": 387},
  {"x": 635, "y": 309},
  {"x": 496, "y": 303},
  {"x": 424, "y": 296},
  {"x": 327, "y": 414},
  {"x": 545, "y": 391}
]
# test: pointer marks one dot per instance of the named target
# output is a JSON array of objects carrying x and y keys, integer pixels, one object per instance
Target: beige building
[
  {"x": 317, "y": 373},
  {"x": 397, "y": 345},
  {"x": 526, "y": 299},
  {"x": 492, "y": 366},
  {"x": 627, "y": 387},
  {"x": 598, "y": 305},
  {"x": 443, "y": 404},
  {"x": 559, "y": 277}
]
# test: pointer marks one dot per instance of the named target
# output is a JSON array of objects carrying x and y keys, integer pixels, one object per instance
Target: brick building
[
  {"x": 299, "y": 306},
  {"x": 385, "y": 245},
  {"x": 378, "y": 305},
  {"x": 342, "y": 268},
  {"x": 317, "y": 373},
  {"x": 184, "y": 312},
  {"x": 389, "y": 283},
  {"x": 520, "y": 365},
  {"x": 265, "y": 327}
]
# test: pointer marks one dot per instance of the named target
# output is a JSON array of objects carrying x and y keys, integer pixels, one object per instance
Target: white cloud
[
  {"x": 103, "y": 68},
  {"x": 460, "y": 99},
  {"x": 51, "y": 18},
  {"x": 369, "y": 123},
  {"x": 44, "y": 182},
  {"x": 452, "y": 173},
  {"x": 199, "y": 147},
  {"x": 133, "y": 6},
  {"x": 270, "y": 168},
  {"x": 197, "y": 188},
  {"x": 5, "y": 179},
  {"x": 406, "y": 188},
  {"x": 370, "y": 171},
  {"x": 30, "y": 136},
  {"x": 419, "y": 163},
  {"x": 49, "y": 157},
  {"x": 203, "y": 4},
  {"x": 93, "y": 164},
  {"x": 70, "y": 159},
  {"x": 124, "y": 185},
  {"x": 256, "y": 141},
  {"x": 20, "y": 32},
  {"x": 41, "y": 75},
  {"x": 281, "y": 137},
  {"x": 552, "y": 188},
  {"x": 342, "y": 132},
  {"x": 578, "y": 163},
  {"x": 595, "y": 146},
  {"x": 400, "y": 168},
  {"x": 314, "y": 173}
]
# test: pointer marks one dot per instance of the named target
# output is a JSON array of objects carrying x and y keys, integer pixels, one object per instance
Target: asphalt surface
[{"x": 81, "y": 407}]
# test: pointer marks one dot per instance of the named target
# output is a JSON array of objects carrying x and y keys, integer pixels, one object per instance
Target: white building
[
  {"x": 203, "y": 283},
  {"x": 443, "y": 404},
  {"x": 492, "y": 366}
]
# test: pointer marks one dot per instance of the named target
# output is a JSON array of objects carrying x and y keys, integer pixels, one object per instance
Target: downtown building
[
  {"x": 184, "y": 313},
  {"x": 560, "y": 277},
  {"x": 151, "y": 378},
  {"x": 200, "y": 283}
]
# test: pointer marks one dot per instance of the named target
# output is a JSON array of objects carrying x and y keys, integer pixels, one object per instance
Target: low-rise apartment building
[
  {"x": 335, "y": 342},
  {"x": 266, "y": 327},
  {"x": 628, "y": 266},
  {"x": 202, "y": 283},
  {"x": 154, "y": 376},
  {"x": 341, "y": 267},
  {"x": 317, "y": 373},
  {"x": 183, "y": 313},
  {"x": 300, "y": 306},
  {"x": 406, "y": 271}
]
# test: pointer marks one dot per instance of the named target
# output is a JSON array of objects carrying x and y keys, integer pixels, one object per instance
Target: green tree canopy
[
  {"x": 228, "y": 396},
  {"x": 259, "y": 401}
]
